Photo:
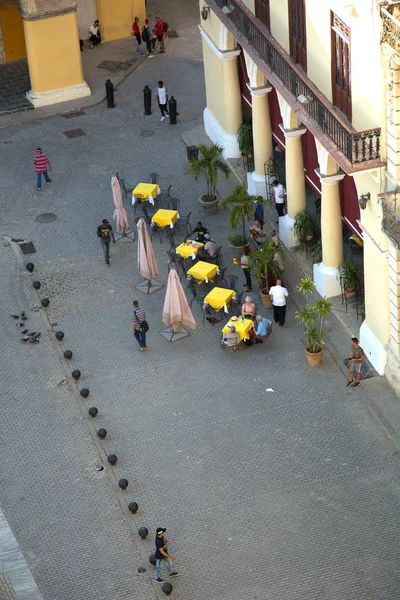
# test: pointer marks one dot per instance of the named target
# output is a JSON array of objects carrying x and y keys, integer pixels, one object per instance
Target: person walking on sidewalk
[
  {"x": 161, "y": 28},
  {"x": 162, "y": 99},
  {"x": 244, "y": 264},
  {"x": 162, "y": 557},
  {"x": 139, "y": 325},
  {"x": 356, "y": 358},
  {"x": 136, "y": 34},
  {"x": 279, "y": 197},
  {"x": 41, "y": 162},
  {"x": 278, "y": 295},
  {"x": 106, "y": 234},
  {"x": 146, "y": 37}
]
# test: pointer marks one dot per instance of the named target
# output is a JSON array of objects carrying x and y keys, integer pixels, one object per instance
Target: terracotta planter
[
  {"x": 209, "y": 208},
  {"x": 350, "y": 294},
  {"x": 266, "y": 299},
  {"x": 314, "y": 358}
]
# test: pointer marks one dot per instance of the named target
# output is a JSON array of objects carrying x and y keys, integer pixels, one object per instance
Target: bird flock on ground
[{"x": 31, "y": 337}]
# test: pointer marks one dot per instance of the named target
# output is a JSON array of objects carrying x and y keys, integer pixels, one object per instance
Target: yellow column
[
  {"x": 116, "y": 17},
  {"x": 295, "y": 180},
  {"x": 232, "y": 97},
  {"x": 262, "y": 140},
  {"x": 54, "y": 57},
  {"x": 326, "y": 274}
]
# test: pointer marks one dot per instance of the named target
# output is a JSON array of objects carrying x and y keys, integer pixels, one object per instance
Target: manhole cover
[
  {"x": 109, "y": 65},
  {"x": 72, "y": 115},
  {"x": 74, "y": 133},
  {"x": 172, "y": 34},
  {"x": 27, "y": 248},
  {"x": 147, "y": 133},
  {"x": 141, "y": 570},
  {"x": 46, "y": 218}
]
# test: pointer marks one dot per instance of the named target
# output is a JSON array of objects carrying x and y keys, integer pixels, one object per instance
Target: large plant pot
[
  {"x": 209, "y": 208},
  {"x": 266, "y": 299},
  {"x": 237, "y": 251},
  {"x": 314, "y": 358}
]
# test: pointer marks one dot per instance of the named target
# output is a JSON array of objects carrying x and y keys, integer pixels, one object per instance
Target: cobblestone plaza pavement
[{"x": 273, "y": 481}]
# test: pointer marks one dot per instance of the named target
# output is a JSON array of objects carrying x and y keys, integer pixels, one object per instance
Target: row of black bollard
[{"x": 172, "y": 105}]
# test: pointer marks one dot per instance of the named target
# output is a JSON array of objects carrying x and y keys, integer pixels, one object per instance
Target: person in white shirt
[
  {"x": 278, "y": 295},
  {"x": 94, "y": 34},
  {"x": 210, "y": 246},
  {"x": 279, "y": 197},
  {"x": 162, "y": 99}
]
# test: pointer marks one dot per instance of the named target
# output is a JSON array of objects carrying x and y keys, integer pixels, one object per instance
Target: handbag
[{"x": 143, "y": 325}]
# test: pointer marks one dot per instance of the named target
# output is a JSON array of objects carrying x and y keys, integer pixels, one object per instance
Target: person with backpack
[
  {"x": 161, "y": 28},
  {"x": 139, "y": 325},
  {"x": 146, "y": 37}
]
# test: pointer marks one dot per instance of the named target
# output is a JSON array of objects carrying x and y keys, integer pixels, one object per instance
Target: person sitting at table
[
  {"x": 257, "y": 233},
  {"x": 249, "y": 309},
  {"x": 200, "y": 232},
  {"x": 232, "y": 338},
  {"x": 210, "y": 248},
  {"x": 262, "y": 328}
]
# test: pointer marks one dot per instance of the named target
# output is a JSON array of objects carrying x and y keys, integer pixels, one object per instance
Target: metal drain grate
[
  {"x": 46, "y": 218},
  {"x": 74, "y": 133},
  {"x": 27, "y": 248},
  {"x": 109, "y": 65},
  {"x": 172, "y": 34},
  {"x": 72, "y": 115},
  {"x": 147, "y": 133}
]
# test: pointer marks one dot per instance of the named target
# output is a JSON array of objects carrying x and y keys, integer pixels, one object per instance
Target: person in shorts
[
  {"x": 356, "y": 358},
  {"x": 159, "y": 27}
]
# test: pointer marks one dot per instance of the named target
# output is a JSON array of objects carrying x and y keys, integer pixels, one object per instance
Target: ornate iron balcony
[
  {"x": 353, "y": 150},
  {"x": 391, "y": 216},
  {"x": 390, "y": 30}
]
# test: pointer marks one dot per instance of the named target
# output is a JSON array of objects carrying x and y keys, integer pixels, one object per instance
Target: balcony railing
[
  {"x": 390, "y": 30},
  {"x": 356, "y": 147},
  {"x": 391, "y": 219}
]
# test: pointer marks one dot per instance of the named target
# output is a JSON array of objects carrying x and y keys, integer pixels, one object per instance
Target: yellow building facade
[
  {"x": 324, "y": 86},
  {"x": 47, "y": 33}
]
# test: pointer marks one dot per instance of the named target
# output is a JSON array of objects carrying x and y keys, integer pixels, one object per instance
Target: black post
[
  {"x": 110, "y": 94},
  {"x": 147, "y": 100},
  {"x": 172, "y": 111}
]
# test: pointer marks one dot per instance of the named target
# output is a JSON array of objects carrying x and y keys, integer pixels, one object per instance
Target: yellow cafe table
[
  {"x": 164, "y": 217},
  {"x": 145, "y": 192},
  {"x": 242, "y": 327},
  {"x": 189, "y": 248},
  {"x": 203, "y": 271},
  {"x": 219, "y": 298}
]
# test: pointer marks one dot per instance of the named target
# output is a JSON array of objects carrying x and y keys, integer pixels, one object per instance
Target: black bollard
[
  {"x": 133, "y": 507},
  {"x": 172, "y": 111},
  {"x": 110, "y": 94},
  {"x": 147, "y": 100}
]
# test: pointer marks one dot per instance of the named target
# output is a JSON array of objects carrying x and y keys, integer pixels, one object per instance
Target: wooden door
[
  {"x": 341, "y": 66},
  {"x": 297, "y": 32},
  {"x": 262, "y": 11}
]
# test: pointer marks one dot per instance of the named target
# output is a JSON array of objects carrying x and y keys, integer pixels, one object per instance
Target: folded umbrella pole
[
  {"x": 176, "y": 313},
  {"x": 147, "y": 263},
  {"x": 120, "y": 215}
]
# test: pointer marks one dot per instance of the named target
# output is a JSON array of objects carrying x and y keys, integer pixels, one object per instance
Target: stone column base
[
  {"x": 61, "y": 95},
  {"x": 286, "y": 232},
  {"x": 256, "y": 185},
  {"x": 219, "y": 136},
  {"x": 374, "y": 350},
  {"x": 326, "y": 280}
]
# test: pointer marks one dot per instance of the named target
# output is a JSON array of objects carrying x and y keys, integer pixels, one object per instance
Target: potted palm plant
[
  {"x": 350, "y": 277},
  {"x": 265, "y": 268},
  {"x": 245, "y": 141},
  {"x": 241, "y": 208},
  {"x": 304, "y": 228},
  {"x": 209, "y": 164},
  {"x": 312, "y": 318}
]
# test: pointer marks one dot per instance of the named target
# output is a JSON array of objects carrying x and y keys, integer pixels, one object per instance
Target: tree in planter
[
  {"x": 263, "y": 265},
  {"x": 245, "y": 141},
  {"x": 241, "y": 205},
  {"x": 209, "y": 164},
  {"x": 312, "y": 318},
  {"x": 304, "y": 228}
]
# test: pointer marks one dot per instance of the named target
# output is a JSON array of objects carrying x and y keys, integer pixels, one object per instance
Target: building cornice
[
  {"x": 222, "y": 54},
  {"x": 48, "y": 13}
]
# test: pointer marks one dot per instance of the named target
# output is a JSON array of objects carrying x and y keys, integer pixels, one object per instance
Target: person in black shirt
[
  {"x": 200, "y": 232},
  {"x": 105, "y": 233},
  {"x": 162, "y": 557}
]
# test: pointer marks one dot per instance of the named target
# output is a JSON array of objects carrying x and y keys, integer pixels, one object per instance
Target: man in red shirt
[
  {"x": 41, "y": 161},
  {"x": 136, "y": 34},
  {"x": 160, "y": 30}
]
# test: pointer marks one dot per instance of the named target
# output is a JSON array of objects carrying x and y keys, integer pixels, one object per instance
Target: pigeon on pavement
[{"x": 15, "y": 316}]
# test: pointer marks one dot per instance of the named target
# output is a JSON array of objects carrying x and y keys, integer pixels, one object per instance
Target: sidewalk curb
[{"x": 131, "y": 519}]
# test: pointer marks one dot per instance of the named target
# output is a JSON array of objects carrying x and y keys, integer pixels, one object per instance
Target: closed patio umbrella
[
  {"x": 147, "y": 263},
  {"x": 120, "y": 215},
  {"x": 176, "y": 312}
]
